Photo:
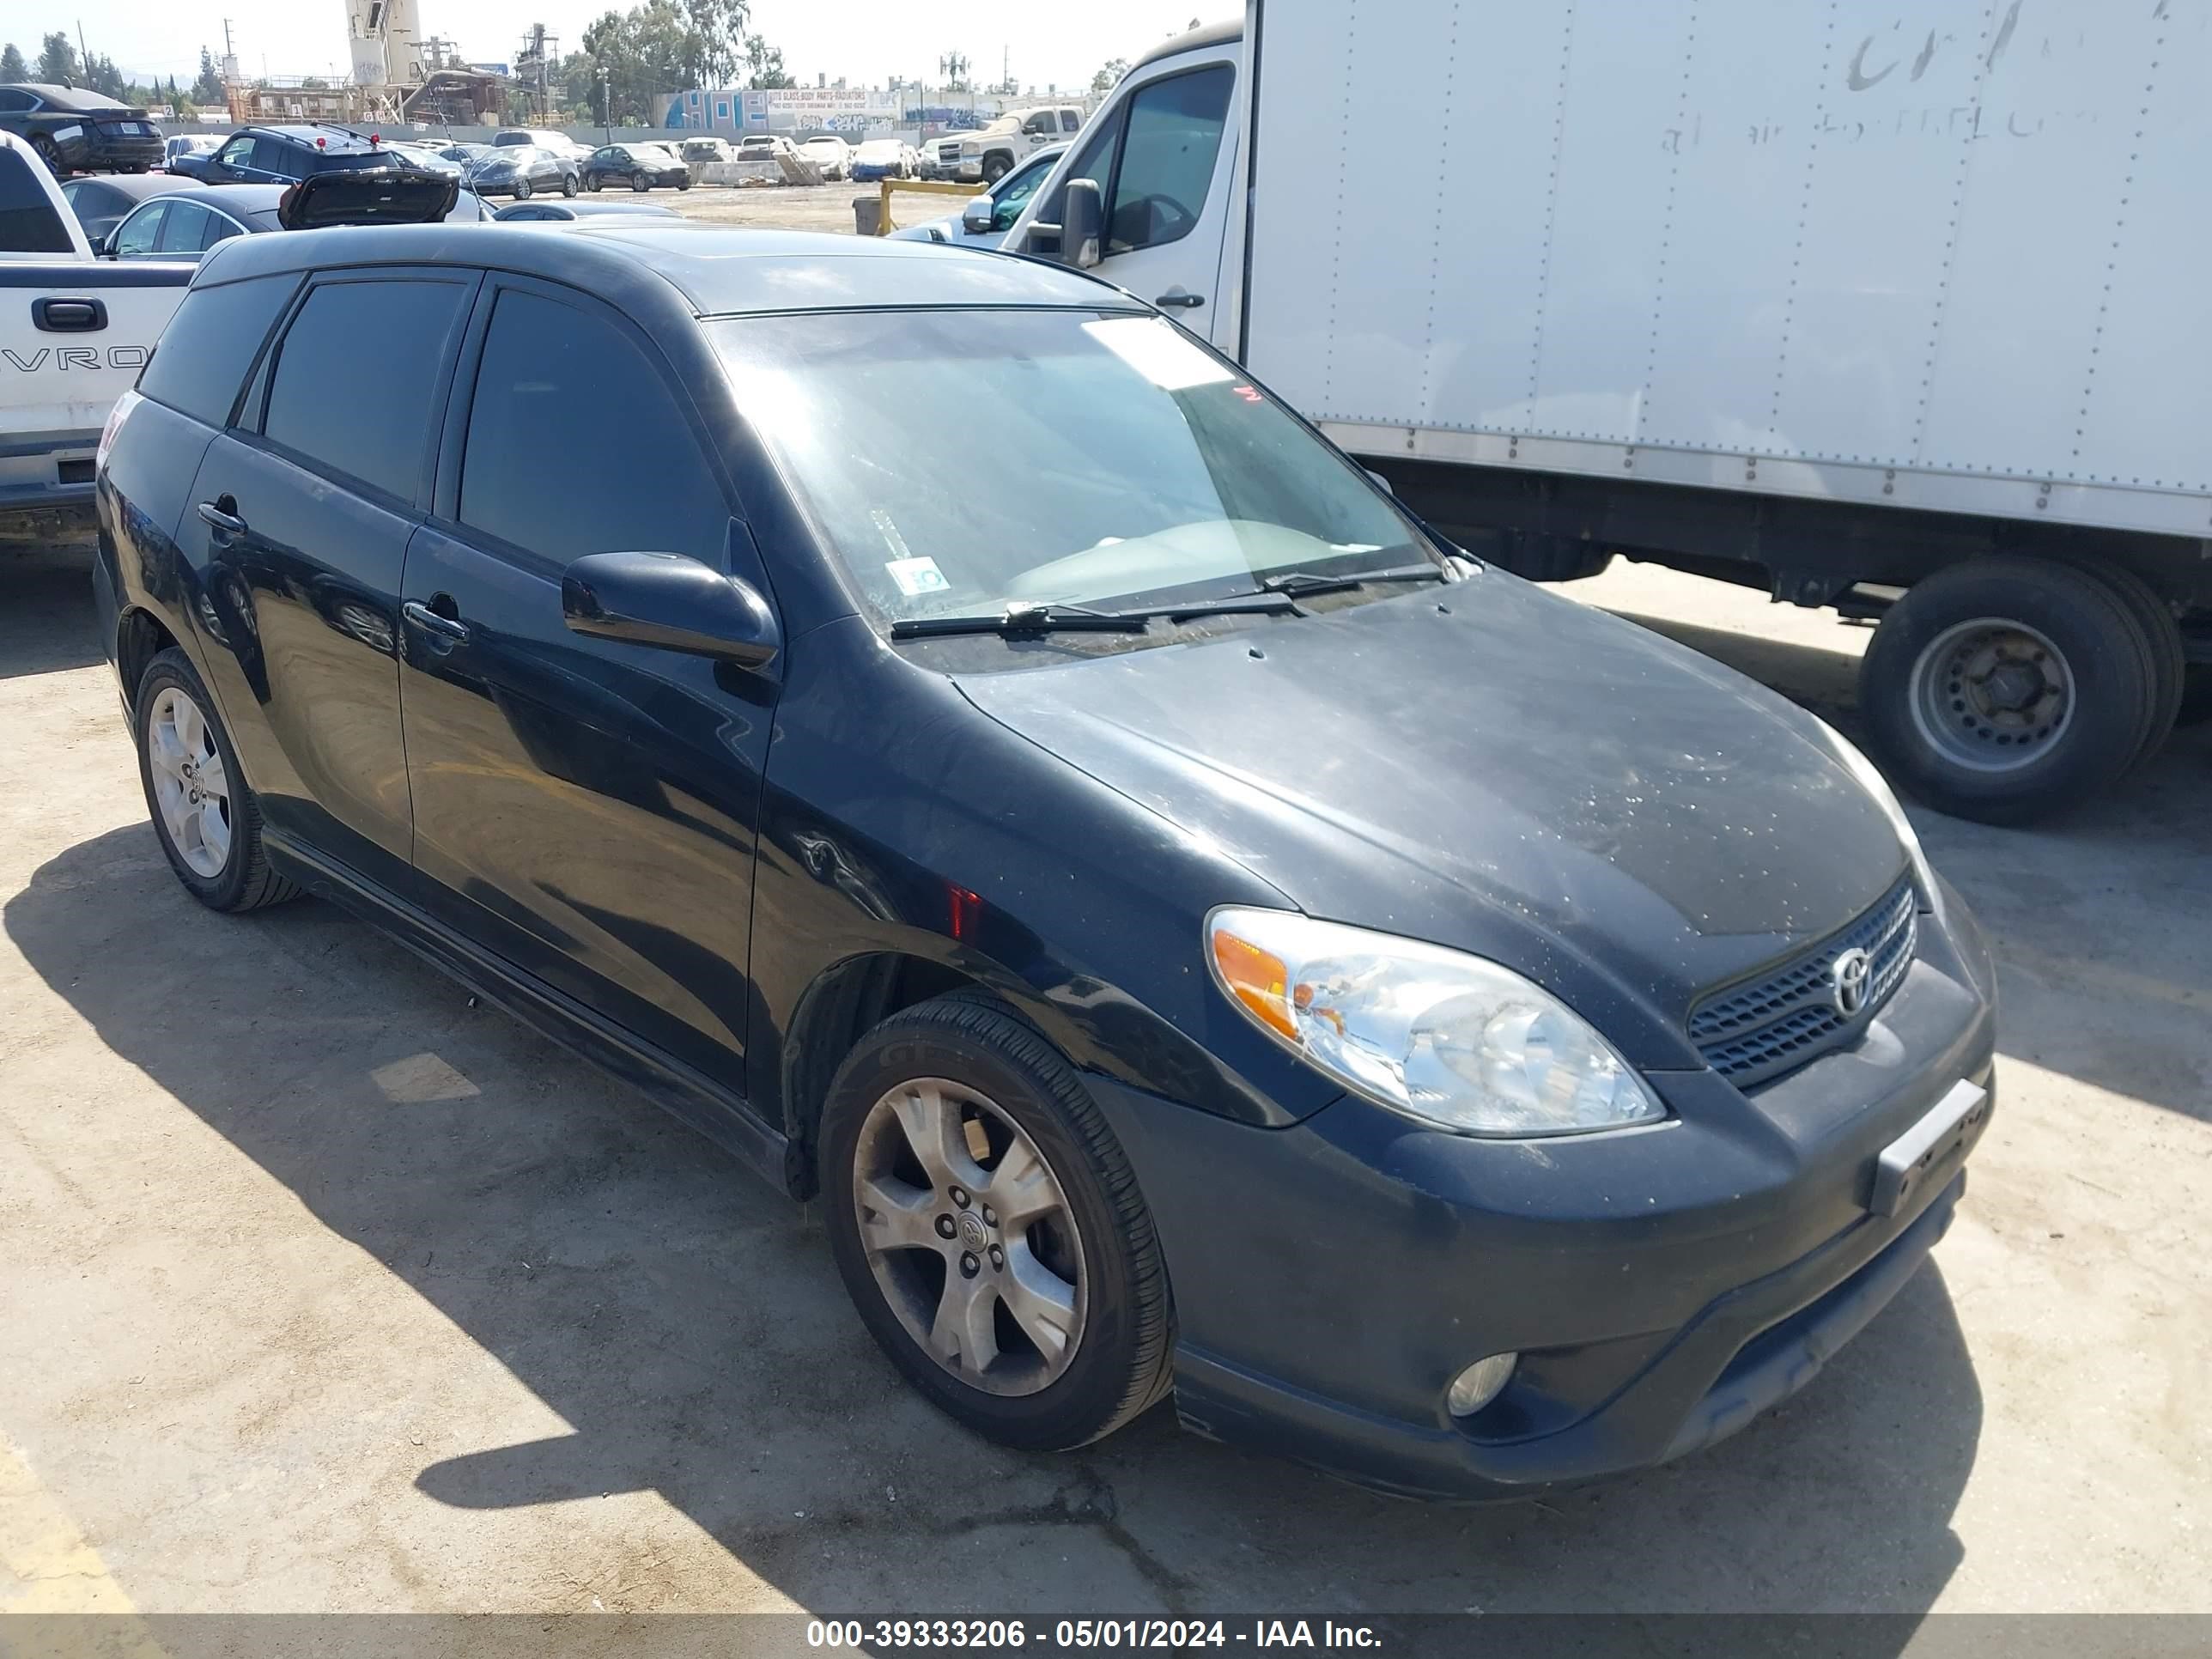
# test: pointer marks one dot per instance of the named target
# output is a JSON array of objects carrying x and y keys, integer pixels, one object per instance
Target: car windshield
[{"x": 1128, "y": 464}]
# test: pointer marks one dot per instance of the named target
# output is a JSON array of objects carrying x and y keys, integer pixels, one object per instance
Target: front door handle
[
  {"x": 1175, "y": 296},
  {"x": 220, "y": 517},
  {"x": 444, "y": 628}
]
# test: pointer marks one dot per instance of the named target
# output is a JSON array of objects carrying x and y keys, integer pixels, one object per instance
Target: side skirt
[{"x": 719, "y": 1114}]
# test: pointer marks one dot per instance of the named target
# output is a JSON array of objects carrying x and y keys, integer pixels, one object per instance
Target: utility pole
[
  {"x": 607, "y": 106},
  {"x": 83, "y": 56}
]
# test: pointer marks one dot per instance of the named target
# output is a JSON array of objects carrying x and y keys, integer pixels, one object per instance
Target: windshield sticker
[
  {"x": 1156, "y": 352},
  {"x": 915, "y": 577}
]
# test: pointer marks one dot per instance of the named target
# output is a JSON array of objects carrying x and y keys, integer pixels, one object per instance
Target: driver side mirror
[
  {"x": 1082, "y": 223},
  {"x": 975, "y": 218},
  {"x": 667, "y": 600},
  {"x": 105, "y": 248}
]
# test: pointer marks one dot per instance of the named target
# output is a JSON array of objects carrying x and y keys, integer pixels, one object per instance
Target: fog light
[{"x": 1480, "y": 1383}]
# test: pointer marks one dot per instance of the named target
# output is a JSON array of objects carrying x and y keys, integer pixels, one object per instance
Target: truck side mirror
[{"x": 1082, "y": 223}]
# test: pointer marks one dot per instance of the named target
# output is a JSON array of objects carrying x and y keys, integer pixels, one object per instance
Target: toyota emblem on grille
[{"x": 1847, "y": 981}]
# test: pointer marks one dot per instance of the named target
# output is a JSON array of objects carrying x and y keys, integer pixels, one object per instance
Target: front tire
[
  {"x": 996, "y": 167},
  {"x": 522, "y": 189},
  {"x": 2003, "y": 689},
  {"x": 640, "y": 183},
  {"x": 204, "y": 815},
  {"x": 567, "y": 184},
  {"x": 989, "y": 1228}
]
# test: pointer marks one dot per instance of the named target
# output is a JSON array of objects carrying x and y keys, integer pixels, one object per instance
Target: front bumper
[{"x": 1663, "y": 1286}]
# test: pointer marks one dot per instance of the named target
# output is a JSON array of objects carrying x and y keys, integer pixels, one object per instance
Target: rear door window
[
  {"x": 274, "y": 156},
  {"x": 29, "y": 222},
  {"x": 138, "y": 237},
  {"x": 208, "y": 347},
  {"x": 558, "y": 382},
  {"x": 355, "y": 384},
  {"x": 189, "y": 228}
]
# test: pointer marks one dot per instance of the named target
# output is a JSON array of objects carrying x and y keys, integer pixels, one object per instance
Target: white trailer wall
[{"x": 1948, "y": 240}]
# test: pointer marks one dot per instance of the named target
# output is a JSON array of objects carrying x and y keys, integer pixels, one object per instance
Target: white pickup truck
[
  {"x": 1916, "y": 329},
  {"x": 74, "y": 333}
]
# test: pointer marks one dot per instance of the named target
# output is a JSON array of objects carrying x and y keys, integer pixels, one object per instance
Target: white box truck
[{"x": 1903, "y": 310}]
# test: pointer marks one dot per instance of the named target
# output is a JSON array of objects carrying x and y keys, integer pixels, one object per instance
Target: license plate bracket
[{"x": 1951, "y": 1124}]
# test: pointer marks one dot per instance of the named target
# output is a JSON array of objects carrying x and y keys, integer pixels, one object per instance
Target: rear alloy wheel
[
  {"x": 206, "y": 818},
  {"x": 47, "y": 153},
  {"x": 567, "y": 184},
  {"x": 639, "y": 182},
  {"x": 2005, "y": 688},
  {"x": 591, "y": 182},
  {"x": 989, "y": 1229},
  {"x": 522, "y": 189}
]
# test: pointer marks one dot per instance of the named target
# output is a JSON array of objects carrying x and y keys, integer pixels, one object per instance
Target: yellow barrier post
[{"x": 917, "y": 187}]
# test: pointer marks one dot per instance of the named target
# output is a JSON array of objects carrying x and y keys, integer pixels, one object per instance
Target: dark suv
[
  {"x": 1193, "y": 928},
  {"x": 269, "y": 155},
  {"x": 77, "y": 130}
]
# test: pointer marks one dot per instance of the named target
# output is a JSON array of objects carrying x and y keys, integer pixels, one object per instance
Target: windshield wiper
[
  {"x": 1305, "y": 584},
  {"x": 1016, "y": 619}
]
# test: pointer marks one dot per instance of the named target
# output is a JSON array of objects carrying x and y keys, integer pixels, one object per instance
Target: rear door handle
[
  {"x": 1175, "y": 296},
  {"x": 222, "y": 518},
  {"x": 446, "y": 628}
]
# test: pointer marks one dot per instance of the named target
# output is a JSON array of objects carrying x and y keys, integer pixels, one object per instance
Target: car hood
[{"x": 1490, "y": 767}]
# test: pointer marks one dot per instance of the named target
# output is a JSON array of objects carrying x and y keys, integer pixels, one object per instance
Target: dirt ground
[
  {"x": 321, "y": 1288},
  {"x": 820, "y": 207}
]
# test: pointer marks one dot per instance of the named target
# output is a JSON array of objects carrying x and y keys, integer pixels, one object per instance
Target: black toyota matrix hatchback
[{"x": 1194, "y": 930}]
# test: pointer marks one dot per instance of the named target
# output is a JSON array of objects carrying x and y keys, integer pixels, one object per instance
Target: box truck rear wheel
[
  {"x": 2005, "y": 688},
  {"x": 2170, "y": 661}
]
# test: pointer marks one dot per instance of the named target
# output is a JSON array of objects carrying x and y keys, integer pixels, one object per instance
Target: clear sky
[{"x": 867, "y": 41}]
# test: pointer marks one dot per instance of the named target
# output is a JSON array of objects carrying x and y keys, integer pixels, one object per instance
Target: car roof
[
  {"x": 715, "y": 270},
  {"x": 139, "y": 187},
  {"x": 70, "y": 97},
  {"x": 333, "y": 138},
  {"x": 1205, "y": 34}
]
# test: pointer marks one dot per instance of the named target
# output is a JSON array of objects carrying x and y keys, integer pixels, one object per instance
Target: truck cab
[{"x": 990, "y": 154}]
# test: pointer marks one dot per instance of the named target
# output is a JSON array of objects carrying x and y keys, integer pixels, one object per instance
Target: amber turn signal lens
[{"x": 1257, "y": 979}]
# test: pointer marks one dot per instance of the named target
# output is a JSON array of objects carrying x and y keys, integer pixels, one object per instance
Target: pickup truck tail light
[{"x": 124, "y": 405}]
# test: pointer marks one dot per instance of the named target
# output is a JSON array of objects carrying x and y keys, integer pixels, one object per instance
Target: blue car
[{"x": 883, "y": 158}]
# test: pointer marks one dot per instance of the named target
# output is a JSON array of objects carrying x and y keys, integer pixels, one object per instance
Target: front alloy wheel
[
  {"x": 640, "y": 183},
  {"x": 982, "y": 1265},
  {"x": 988, "y": 1228}
]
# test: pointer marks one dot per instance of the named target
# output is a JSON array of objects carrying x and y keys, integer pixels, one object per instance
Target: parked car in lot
[
  {"x": 178, "y": 144},
  {"x": 1440, "y": 1031},
  {"x": 428, "y": 157},
  {"x": 990, "y": 154},
  {"x": 267, "y": 156},
  {"x": 884, "y": 158},
  {"x": 985, "y": 221},
  {"x": 698, "y": 152},
  {"x": 834, "y": 156},
  {"x": 521, "y": 171},
  {"x": 101, "y": 200},
  {"x": 74, "y": 129},
  {"x": 465, "y": 156},
  {"x": 639, "y": 166},
  {"x": 76, "y": 329},
  {"x": 189, "y": 223},
  {"x": 763, "y": 146},
  {"x": 543, "y": 211},
  {"x": 560, "y": 143}
]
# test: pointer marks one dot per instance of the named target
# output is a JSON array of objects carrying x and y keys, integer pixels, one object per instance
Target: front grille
[{"x": 1758, "y": 1031}]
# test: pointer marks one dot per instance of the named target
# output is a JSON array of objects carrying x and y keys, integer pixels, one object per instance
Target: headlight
[
  {"x": 1446, "y": 1037},
  {"x": 1869, "y": 778},
  {"x": 968, "y": 149}
]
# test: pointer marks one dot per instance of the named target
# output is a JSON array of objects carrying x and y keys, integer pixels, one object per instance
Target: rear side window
[
  {"x": 356, "y": 375},
  {"x": 561, "y": 387},
  {"x": 28, "y": 223},
  {"x": 210, "y": 346},
  {"x": 274, "y": 156}
]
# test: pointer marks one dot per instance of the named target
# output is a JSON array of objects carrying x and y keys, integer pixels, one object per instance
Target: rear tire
[
  {"x": 2169, "y": 662},
  {"x": 684, "y": 183},
  {"x": 204, "y": 815},
  {"x": 47, "y": 153},
  {"x": 591, "y": 182},
  {"x": 2196, "y": 697},
  {"x": 2003, "y": 689},
  {"x": 939, "y": 1276}
]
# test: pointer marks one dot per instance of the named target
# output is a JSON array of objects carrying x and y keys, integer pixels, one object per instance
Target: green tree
[
  {"x": 767, "y": 64},
  {"x": 12, "y": 67},
  {"x": 58, "y": 63},
  {"x": 1109, "y": 75},
  {"x": 718, "y": 47},
  {"x": 102, "y": 76},
  {"x": 208, "y": 89}
]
